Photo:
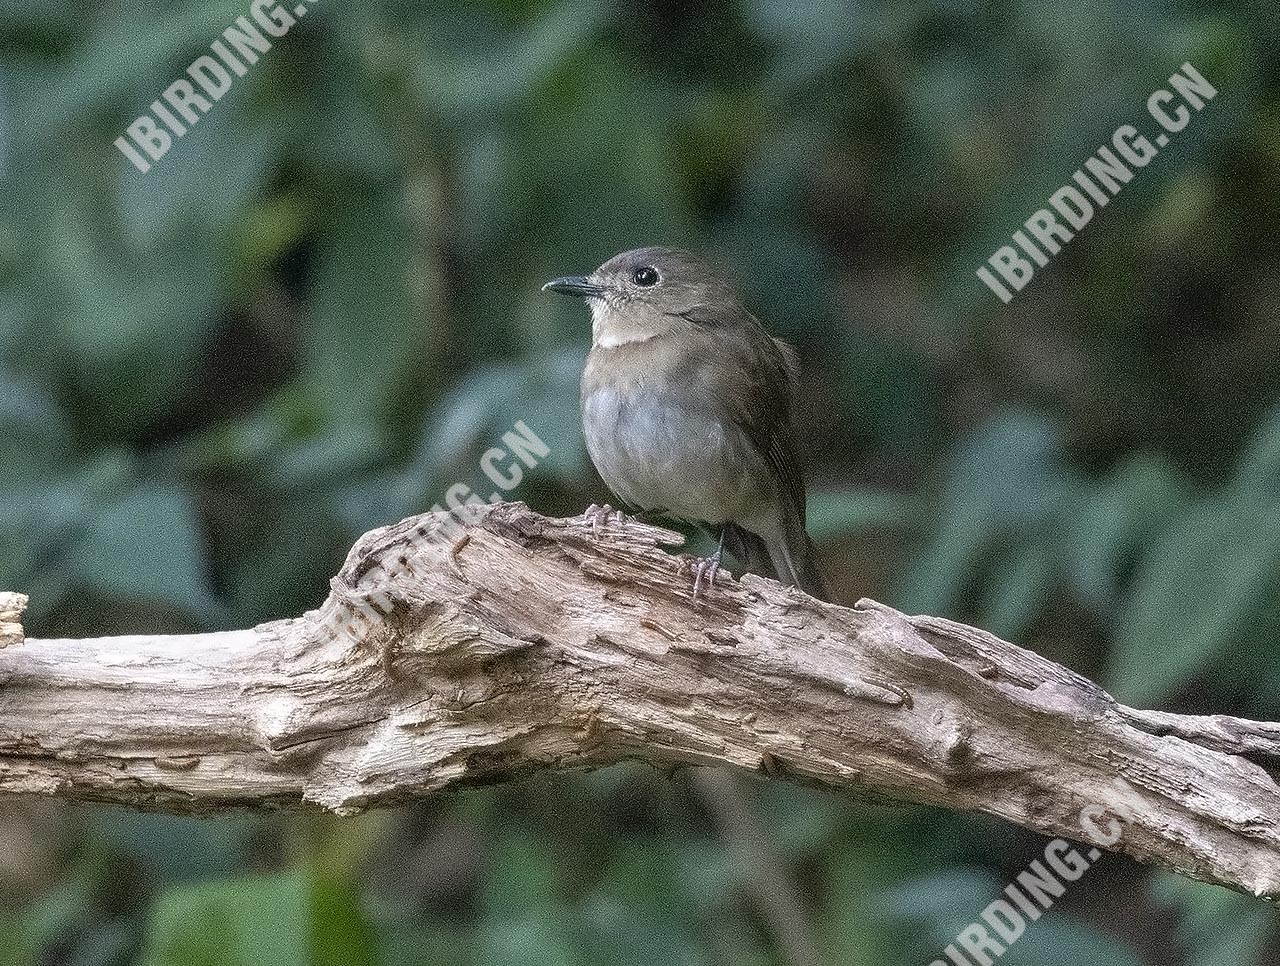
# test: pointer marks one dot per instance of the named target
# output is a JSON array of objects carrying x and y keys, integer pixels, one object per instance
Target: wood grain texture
[
  {"x": 11, "y": 608},
  {"x": 524, "y": 643}
]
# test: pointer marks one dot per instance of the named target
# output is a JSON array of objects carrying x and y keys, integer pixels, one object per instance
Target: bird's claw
[
  {"x": 705, "y": 568},
  {"x": 599, "y": 514}
]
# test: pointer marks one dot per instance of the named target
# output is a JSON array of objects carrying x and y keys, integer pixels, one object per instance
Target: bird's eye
[{"x": 646, "y": 276}]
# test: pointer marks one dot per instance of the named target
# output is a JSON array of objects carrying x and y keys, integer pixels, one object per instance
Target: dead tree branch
[{"x": 529, "y": 643}]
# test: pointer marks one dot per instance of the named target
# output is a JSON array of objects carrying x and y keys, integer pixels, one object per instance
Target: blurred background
[{"x": 312, "y": 316}]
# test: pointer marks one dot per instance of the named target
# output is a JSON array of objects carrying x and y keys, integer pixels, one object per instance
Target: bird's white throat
[
  {"x": 602, "y": 337},
  {"x": 612, "y": 341}
]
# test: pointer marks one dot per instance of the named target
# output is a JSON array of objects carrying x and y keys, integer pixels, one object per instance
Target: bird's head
[{"x": 644, "y": 293}]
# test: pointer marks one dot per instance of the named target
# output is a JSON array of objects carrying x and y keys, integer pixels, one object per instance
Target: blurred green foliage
[{"x": 314, "y": 314}]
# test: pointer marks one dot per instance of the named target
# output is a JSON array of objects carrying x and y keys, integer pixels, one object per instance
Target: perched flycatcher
[{"x": 687, "y": 409}]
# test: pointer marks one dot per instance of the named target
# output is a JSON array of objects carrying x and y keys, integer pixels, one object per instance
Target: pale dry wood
[
  {"x": 11, "y": 608},
  {"x": 529, "y": 643}
]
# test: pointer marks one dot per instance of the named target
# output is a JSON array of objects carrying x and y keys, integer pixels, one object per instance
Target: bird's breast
[{"x": 659, "y": 450}]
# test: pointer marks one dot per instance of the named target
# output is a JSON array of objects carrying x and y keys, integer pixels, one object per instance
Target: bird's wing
[
  {"x": 758, "y": 395},
  {"x": 782, "y": 449}
]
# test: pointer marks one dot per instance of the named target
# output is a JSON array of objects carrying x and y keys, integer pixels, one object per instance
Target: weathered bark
[
  {"x": 11, "y": 608},
  {"x": 530, "y": 643}
]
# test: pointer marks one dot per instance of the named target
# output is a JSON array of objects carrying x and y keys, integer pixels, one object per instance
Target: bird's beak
[{"x": 578, "y": 285}]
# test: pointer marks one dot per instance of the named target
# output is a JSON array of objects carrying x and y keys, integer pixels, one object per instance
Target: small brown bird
[{"x": 687, "y": 409}]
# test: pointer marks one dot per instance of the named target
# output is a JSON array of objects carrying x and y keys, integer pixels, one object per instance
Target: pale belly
[{"x": 658, "y": 456}]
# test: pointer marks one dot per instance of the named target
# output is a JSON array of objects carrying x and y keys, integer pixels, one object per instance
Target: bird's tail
[
  {"x": 748, "y": 549},
  {"x": 791, "y": 561},
  {"x": 801, "y": 565}
]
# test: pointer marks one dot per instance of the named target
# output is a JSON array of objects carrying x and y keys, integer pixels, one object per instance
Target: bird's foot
[
  {"x": 598, "y": 515},
  {"x": 705, "y": 569}
]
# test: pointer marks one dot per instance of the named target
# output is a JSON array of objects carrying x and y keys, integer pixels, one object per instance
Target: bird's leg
[
  {"x": 599, "y": 514},
  {"x": 708, "y": 567}
]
